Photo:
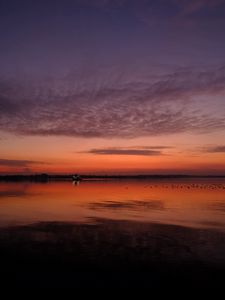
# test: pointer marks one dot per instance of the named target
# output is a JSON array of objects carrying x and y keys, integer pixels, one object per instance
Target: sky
[{"x": 112, "y": 86}]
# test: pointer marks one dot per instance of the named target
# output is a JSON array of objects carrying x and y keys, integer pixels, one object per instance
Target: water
[
  {"x": 113, "y": 233},
  {"x": 198, "y": 203}
]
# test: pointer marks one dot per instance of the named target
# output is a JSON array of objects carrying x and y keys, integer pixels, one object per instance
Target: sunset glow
[
  {"x": 112, "y": 87},
  {"x": 112, "y": 145}
]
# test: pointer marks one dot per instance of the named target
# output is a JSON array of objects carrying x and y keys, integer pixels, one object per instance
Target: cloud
[
  {"x": 215, "y": 149},
  {"x": 193, "y": 6},
  {"x": 18, "y": 163},
  {"x": 159, "y": 105},
  {"x": 128, "y": 151},
  {"x": 186, "y": 6},
  {"x": 151, "y": 147}
]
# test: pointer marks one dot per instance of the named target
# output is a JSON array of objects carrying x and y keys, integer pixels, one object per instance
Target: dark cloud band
[
  {"x": 120, "y": 151},
  {"x": 18, "y": 163},
  {"x": 215, "y": 149}
]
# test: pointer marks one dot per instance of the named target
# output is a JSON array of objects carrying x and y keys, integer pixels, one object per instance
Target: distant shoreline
[{"x": 62, "y": 177}]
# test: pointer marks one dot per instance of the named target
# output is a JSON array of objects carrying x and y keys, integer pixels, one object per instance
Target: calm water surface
[{"x": 198, "y": 203}]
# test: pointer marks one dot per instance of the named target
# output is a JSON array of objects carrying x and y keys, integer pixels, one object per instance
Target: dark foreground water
[{"x": 132, "y": 234}]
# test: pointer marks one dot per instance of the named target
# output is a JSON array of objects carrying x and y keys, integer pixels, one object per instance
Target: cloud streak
[
  {"x": 193, "y": 6},
  {"x": 18, "y": 163},
  {"x": 215, "y": 149},
  {"x": 121, "y": 151}
]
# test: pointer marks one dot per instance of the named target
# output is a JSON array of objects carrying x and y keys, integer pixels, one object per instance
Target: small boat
[{"x": 76, "y": 177}]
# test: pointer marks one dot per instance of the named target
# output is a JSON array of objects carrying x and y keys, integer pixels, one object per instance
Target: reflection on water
[
  {"x": 137, "y": 205},
  {"x": 197, "y": 203},
  {"x": 137, "y": 233}
]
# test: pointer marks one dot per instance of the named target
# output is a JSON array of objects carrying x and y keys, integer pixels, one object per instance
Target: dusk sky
[{"x": 112, "y": 86}]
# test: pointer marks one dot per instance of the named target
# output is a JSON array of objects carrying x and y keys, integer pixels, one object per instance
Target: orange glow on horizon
[{"x": 69, "y": 155}]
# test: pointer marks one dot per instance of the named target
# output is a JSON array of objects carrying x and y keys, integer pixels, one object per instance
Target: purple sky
[{"x": 123, "y": 74}]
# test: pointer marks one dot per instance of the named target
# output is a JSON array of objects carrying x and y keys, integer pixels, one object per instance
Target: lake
[
  {"x": 194, "y": 203},
  {"x": 150, "y": 230}
]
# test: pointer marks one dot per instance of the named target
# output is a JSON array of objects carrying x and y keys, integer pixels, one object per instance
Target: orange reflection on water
[{"x": 196, "y": 203}]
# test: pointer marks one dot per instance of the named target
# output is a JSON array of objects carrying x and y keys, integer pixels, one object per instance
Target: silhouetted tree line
[{"x": 46, "y": 177}]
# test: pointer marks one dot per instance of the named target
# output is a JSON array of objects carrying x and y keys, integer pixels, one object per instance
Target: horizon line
[{"x": 66, "y": 175}]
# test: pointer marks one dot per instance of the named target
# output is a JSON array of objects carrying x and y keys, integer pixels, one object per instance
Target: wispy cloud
[
  {"x": 186, "y": 6},
  {"x": 151, "y": 147},
  {"x": 164, "y": 105},
  {"x": 193, "y": 6},
  {"x": 124, "y": 151},
  {"x": 215, "y": 149},
  {"x": 19, "y": 163},
  {"x": 174, "y": 12}
]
